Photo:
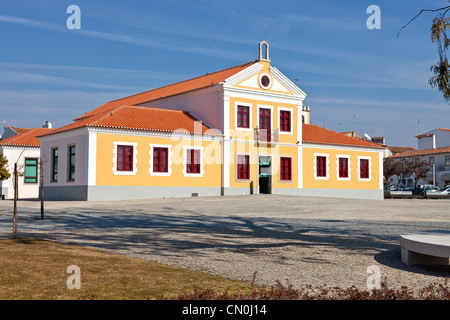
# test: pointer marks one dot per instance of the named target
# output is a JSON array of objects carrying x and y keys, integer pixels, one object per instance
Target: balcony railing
[{"x": 266, "y": 135}]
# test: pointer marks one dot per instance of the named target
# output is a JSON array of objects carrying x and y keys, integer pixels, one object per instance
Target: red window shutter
[
  {"x": 321, "y": 170},
  {"x": 285, "y": 120},
  {"x": 124, "y": 158},
  {"x": 286, "y": 168},
  {"x": 243, "y": 117},
  {"x": 193, "y": 161},
  {"x": 343, "y": 168},
  {"x": 243, "y": 167},
  {"x": 364, "y": 168},
  {"x": 160, "y": 159}
]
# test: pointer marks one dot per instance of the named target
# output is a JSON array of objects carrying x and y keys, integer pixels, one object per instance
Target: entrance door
[
  {"x": 265, "y": 175},
  {"x": 264, "y": 123}
]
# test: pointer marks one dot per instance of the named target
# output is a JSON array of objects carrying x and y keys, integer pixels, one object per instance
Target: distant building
[
  {"x": 353, "y": 134},
  {"x": 433, "y": 147},
  {"x": 437, "y": 138}
]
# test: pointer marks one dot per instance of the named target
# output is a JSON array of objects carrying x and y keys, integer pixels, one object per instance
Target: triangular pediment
[{"x": 264, "y": 78}]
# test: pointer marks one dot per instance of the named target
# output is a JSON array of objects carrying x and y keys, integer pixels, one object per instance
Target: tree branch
[{"x": 421, "y": 11}]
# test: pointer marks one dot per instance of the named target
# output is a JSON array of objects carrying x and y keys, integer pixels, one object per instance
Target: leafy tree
[
  {"x": 4, "y": 172},
  {"x": 439, "y": 28}
]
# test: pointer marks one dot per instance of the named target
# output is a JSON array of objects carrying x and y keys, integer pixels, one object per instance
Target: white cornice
[
  {"x": 242, "y": 75},
  {"x": 168, "y": 134},
  {"x": 288, "y": 83},
  {"x": 262, "y": 95}
]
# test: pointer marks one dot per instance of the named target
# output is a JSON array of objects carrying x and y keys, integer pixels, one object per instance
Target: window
[
  {"x": 364, "y": 168},
  {"x": 321, "y": 166},
  {"x": 55, "y": 165},
  {"x": 31, "y": 170},
  {"x": 160, "y": 159},
  {"x": 285, "y": 120},
  {"x": 343, "y": 167},
  {"x": 265, "y": 81},
  {"x": 243, "y": 116},
  {"x": 193, "y": 161},
  {"x": 431, "y": 160},
  {"x": 71, "y": 163},
  {"x": 285, "y": 168},
  {"x": 447, "y": 161},
  {"x": 243, "y": 167},
  {"x": 124, "y": 158}
]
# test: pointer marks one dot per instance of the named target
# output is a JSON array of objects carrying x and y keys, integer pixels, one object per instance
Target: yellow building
[{"x": 240, "y": 130}]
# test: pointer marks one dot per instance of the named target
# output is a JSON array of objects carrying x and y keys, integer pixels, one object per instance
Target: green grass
[{"x": 36, "y": 269}]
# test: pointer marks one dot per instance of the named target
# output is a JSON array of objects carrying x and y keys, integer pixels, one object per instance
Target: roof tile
[
  {"x": 26, "y": 138},
  {"x": 173, "y": 89},
  {"x": 314, "y": 134}
]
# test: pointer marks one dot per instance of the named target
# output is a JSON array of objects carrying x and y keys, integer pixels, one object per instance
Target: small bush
[{"x": 434, "y": 291}]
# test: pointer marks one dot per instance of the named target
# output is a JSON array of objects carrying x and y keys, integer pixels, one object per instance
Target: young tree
[
  {"x": 391, "y": 168},
  {"x": 420, "y": 170},
  {"x": 404, "y": 170},
  {"x": 4, "y": 172}
]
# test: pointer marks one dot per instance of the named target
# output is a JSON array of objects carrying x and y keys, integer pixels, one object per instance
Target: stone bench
[{"x": 426, "y": 248}]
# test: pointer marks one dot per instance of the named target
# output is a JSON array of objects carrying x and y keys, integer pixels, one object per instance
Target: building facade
[
  {"x": 21, "y": 146},
  {"x": 236, "y": 131}
]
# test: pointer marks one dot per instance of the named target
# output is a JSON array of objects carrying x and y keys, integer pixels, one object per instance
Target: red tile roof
[
  {"x": 423, "y": 152},
  {"x": 141, "y": 118},
  {"x": 200, "y": 82},
  {"x": 444, "y": 129},
  {"x": 396, "y": 150},
  {"x": 18, "y": 130},
  {"x": 28, "y": 138},
  {"x": 318, "y": 135}
]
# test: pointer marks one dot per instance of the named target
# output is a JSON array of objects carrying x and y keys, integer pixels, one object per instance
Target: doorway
[{"x": 265, "y": 175}]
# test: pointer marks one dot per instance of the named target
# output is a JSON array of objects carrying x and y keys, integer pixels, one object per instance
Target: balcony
[{"x": 266, "y": 135}]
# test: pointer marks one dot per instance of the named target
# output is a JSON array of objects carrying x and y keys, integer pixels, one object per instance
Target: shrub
[{"x": 434, "y": 291}]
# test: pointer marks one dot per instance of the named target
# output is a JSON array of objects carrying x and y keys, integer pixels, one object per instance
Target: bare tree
[
  {"x": 419, "y": 170},
  {"x": 391, "y": 167}
]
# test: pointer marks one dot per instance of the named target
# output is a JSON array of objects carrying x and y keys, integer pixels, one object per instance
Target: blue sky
[{"x": 355, "y": 78}]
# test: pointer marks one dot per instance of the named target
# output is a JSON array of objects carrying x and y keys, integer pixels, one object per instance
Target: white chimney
[{"x": 47, "y": 125}]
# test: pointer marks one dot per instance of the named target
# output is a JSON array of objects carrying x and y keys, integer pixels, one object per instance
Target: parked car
[
  {"x": 443, "y": 191},
  {"x": 425, "y": 189}
]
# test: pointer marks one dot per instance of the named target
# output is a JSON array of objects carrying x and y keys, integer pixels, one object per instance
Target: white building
[
  {"x": 22, "y": 147},
  {"x": 437, "y": 138},
  {"x": 433, "y": 147}
]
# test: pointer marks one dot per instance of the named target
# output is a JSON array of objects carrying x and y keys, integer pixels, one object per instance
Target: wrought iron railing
[{"x": 266, "y": 135}]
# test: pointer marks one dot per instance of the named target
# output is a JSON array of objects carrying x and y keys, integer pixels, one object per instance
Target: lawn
[{"x": 36, "y": 269}]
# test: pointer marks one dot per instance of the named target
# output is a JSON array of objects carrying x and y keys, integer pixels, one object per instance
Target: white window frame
[
  {"x": 244, "y": 104},
  {"x": 327, "y": 156},
  {"x": 359, "y": 168},
  {"x": 135, "y": 151},
  {"x": 169, "y": 160},
  {"x": 186, "y": 174},
  {"x": 291, "y": 132},
  {"x": 338, "y": 156}
]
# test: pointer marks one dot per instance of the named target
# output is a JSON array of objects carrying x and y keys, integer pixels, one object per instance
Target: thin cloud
[{"x": 139, "y": 41}]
